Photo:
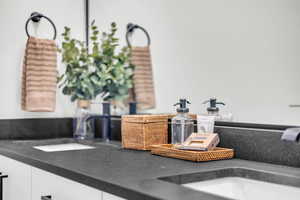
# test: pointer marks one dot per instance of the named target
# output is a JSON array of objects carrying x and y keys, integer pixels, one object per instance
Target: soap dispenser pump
[
  {"x": 182, "y": 123},
  {"x": 213, "y": 110}
]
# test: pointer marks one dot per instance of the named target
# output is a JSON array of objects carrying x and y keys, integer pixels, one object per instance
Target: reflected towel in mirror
[{"x": 143, "y": 89}]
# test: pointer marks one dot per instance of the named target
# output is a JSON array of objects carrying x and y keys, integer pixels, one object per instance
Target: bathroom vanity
[
  {"x": 108, "y": 172},
  {"x": 27, "y": 176},
  {"x": 230, "y": 50},
  {"x": 34, "y": 183}
]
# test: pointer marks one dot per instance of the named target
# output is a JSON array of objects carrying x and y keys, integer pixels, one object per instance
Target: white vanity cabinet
[
  {"x": 25, "y": 182},
  {"x": 60, "y": 188},
  {"x": 107, "y": 196},
  {"x": 17, "y": 186}
]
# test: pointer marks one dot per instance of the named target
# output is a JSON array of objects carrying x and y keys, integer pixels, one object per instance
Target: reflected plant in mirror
[
  {"x": 104, "y": 72},
  {"x": 114, "y": 74}
]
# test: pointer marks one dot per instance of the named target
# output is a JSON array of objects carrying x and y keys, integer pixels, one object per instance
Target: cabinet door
[
  {"x": 107, "y": 196},
  {"x": 59, "y": 188},
  {"x": 18, "y": 184}
]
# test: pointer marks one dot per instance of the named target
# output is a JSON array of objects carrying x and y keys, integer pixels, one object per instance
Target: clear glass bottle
[
  {"x": 83, "y": 126},
  {"x": 213, "y": 110},
  {"x": 182, "y": 123}
]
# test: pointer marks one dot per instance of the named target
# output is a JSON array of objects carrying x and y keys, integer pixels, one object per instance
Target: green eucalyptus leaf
[
  {"x": 101, "y": 72},
  {"x": 66, "y": 91},
  {"x": 94, "y": 38}
]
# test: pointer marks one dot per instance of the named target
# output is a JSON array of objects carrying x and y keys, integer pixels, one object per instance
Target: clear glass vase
[{"x": 83, "y": 125}]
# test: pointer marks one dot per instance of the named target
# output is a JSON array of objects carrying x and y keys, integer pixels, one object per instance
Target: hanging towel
[
  {"x": 143, "y": 89},
  {"x": 39, "y": 75}
]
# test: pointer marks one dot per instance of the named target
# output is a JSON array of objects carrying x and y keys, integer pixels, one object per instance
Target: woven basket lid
[{"x": 145, "y": 118}]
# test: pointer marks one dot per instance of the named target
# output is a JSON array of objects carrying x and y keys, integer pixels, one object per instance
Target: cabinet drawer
[
  {"x": 18, "y": 183},
  {"x": 59, "y": 188}
]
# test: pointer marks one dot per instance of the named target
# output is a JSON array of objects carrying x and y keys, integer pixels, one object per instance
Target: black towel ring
[
  {"x": 130, "y": 29},
  {"x": 36, "y": 17}
]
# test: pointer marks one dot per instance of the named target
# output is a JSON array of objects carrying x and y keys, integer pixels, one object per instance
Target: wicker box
[{"x": 142, "y": 131}]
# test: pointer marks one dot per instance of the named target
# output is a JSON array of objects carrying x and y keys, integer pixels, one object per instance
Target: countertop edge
[{"x": 78, "y": 177}]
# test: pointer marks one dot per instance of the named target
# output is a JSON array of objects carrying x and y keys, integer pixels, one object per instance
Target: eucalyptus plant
[
  {"x": 105, "y": 71},
  {"x": 113, "y": 69}
]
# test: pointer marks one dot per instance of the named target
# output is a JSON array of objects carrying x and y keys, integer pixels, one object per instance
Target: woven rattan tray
[{"x": 168, "y": 150}]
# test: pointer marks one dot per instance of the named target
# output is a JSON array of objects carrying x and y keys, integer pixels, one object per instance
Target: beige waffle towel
[
  {"x": 143, "y": 89},
  {"x": 39, "y": 75}
]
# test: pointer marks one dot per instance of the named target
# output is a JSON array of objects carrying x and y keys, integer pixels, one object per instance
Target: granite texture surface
[
  {"x": 249, "y": 144},
  {"x": 47, "y": 128},
  {"x": 260, "y": 145},
  {"x": 131, "y": 174},
  {"x": 24, "y": 129}
]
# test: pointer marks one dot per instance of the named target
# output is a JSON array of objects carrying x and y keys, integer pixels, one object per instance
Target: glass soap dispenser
[
  {"x": 182, "y": 123},
  {"x": 213, "y": 110}
]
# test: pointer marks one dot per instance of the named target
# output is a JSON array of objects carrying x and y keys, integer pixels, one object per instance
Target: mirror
[{"x": 243, "y": 52}]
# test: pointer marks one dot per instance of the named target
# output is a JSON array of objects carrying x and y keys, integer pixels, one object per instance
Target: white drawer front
[
  {"x": 18, "y": 184},
  {"x": 107, "y": 196},
  {"x": 45, "y": 183}
]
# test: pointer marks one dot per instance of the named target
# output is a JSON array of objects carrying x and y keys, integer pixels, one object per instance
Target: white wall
[
  {"x": 245, "y": 52},
  {"x": 13, "y": 15}
]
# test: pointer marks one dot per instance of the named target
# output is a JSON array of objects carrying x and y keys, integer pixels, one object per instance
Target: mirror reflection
[{"x": 244, "y": 54}]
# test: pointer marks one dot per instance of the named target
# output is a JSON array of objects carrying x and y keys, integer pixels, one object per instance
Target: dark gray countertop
[{"x": 126, "y": 173}]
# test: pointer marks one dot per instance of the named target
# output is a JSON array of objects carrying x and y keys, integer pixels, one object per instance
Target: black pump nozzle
[
  {"x": 213, "y": 105},
  {"x": 182, "y": 105}
]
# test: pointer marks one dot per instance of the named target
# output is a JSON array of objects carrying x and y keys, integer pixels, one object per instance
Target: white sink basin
[
  {"x": 246, "y": 189},
  {"x": 63, "y": 147}
]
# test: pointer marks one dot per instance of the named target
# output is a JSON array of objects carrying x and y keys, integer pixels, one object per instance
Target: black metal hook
[
  {"x": 36, "y": 17},
  {"x": 130, "y": 29}
]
